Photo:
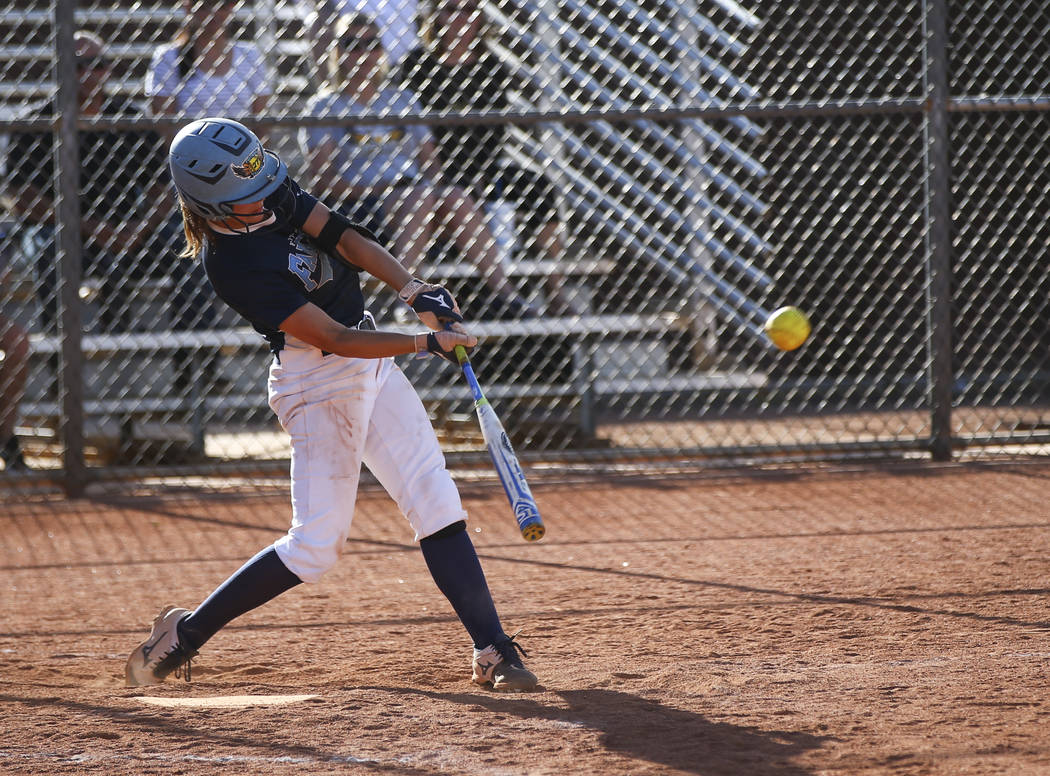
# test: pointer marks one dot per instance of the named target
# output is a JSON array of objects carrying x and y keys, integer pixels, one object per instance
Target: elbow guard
[{"x": 332, "y": 231}]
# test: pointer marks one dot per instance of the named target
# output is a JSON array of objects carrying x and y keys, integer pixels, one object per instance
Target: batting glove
[
  {"x": 443, "y": 343},
  {"x": 434, "y": 305}
]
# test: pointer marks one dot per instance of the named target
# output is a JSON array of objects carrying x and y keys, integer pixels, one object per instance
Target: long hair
[
  {"x": 197, "y": 231},
  {"x": 187, "y": 56}
]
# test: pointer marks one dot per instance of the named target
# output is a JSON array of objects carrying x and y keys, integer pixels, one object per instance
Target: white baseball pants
[{"x": 340, "y": 413}]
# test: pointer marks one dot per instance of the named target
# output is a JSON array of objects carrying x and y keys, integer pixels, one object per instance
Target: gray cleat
[
  {"x": 160, "y": 654},
  {"x": 498, "y": 665}
]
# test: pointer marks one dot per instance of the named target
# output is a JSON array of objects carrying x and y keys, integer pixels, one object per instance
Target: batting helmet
[{"x": 217, "y": 163}]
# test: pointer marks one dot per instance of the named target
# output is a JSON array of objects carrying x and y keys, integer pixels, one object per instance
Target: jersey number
[{"x": 312, "y": 268}]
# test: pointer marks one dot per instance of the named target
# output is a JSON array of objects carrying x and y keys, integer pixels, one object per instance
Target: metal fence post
[
  {"x": 703, "y": 325},
  {"x": 938, "y": 228},
  {"x": 68, "y": 247}
]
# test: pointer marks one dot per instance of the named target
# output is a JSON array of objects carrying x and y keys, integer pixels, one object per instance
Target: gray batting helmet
[{"x": 219, "y": 162}]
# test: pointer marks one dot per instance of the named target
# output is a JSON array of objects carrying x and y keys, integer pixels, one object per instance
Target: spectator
[
  {"x": 388, "y": 177},
  {"x": 119, "y": 215},
  {"x": 397, "y": 21},
  {"x": 204, "y": 72},
  {"x": 14, "y": 367},
  {"x": 126, "y": 236},
  {"x": 457, "y": 72}
]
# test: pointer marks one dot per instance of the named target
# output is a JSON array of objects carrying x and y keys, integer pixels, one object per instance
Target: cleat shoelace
[
  {"x": 508, "y": 649},
  {"x": 183, "y": 660},
  {"x": 184, "y": 669}
]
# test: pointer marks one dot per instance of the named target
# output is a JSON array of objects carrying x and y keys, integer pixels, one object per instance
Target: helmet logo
[{"x": 250, "y": 167}]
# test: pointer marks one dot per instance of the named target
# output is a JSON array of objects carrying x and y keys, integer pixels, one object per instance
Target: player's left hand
[
  {"x": 443, "y": 343},
  {"x": 434, "y": 305}
]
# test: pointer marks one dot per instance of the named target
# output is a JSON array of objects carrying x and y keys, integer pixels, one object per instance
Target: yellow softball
[{"x": 787, "y": 327}]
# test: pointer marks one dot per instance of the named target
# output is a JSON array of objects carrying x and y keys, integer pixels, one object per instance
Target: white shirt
[{"x": 227, "y": 94}]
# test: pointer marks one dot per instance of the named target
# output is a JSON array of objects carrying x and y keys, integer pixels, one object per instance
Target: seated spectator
[
  {"x": 396, "y": 19},
  {"x": 121, "y": 224},
  {"x": 457, "y": 72},
  {"x": 204, "y": 72},
  {"x": 128, "y": 233},
  {"x": 388, "y": 177}
]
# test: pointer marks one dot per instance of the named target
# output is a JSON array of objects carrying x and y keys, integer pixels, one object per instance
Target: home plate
[{"x": 225, "y": 701}]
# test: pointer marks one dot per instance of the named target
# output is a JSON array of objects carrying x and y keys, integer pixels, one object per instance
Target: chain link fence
[{"x": 618, "y": 193}]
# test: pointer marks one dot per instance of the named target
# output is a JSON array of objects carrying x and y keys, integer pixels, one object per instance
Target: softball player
[{"x": 290, "y": 267}]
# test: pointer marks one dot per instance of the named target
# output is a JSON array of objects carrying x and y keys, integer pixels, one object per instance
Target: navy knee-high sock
[
  {"x": 455, "y": 567},
  {"x": 261, "y": 579}
]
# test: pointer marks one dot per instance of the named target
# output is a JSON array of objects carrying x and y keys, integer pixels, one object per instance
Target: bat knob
[{"x": 533, "y": 532}]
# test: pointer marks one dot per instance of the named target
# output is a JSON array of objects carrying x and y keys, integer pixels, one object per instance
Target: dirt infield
[{"x": 867, "y": 622}]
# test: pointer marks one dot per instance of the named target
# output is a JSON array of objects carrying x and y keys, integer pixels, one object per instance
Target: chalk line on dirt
[{"x": 223, "y": 701}]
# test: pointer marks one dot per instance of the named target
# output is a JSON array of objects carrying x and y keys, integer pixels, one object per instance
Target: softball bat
[{"x": 526, "y": 513}]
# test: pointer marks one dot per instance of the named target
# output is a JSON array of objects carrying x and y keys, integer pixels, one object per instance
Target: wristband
[{"x": 412, "y": 287}]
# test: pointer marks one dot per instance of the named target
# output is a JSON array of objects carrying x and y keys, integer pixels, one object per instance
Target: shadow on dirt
[
  {"x": 646, "y": 730},
  {"x": 635, "y": 728},
  {"x": 158, "y": 743}
]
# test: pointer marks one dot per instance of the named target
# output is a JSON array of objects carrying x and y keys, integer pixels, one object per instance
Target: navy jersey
[{"x": 269, "y": 273}]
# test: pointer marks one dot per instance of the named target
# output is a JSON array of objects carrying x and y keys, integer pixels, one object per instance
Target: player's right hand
[
  {"x": 443, "y": 343},
  {"x": 434, "y": 305}
]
